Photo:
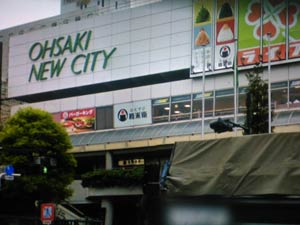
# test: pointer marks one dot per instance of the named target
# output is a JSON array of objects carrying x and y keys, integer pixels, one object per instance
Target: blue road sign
[{"x": 9, "y": 170}]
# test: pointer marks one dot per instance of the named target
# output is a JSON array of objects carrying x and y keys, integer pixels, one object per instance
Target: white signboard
[{"x": 132, "y": 114}]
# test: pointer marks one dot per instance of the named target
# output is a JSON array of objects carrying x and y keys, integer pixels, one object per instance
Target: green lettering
[
  {"x": 106, "y": 57},
  {"x": 78, "y": 41},
  {"x": 50, "y": 48},
  {"x": 58, "y": 45},
  {"x": 43, "y": 69},
  {"x": 68, "y": 45},
  {"x": 86, "y": 63},
  {"x": 88, "y": 40},
  {"x": 35, "y": 72},
  {"x": 74, "y": 63},
  {"x": 57, "y": 67},
  {"x": 95, "y": 56},
  {"x": 40, "y": 51}
]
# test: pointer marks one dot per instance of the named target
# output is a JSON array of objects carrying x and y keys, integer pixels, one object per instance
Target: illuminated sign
[{"x": 131, "y": 162}]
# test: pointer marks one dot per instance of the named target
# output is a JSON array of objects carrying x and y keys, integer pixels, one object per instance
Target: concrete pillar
[
  {"x": 109, "y": 211},
  {"x": 106, "y": 203},
  {"x": 108, "y": 161}
]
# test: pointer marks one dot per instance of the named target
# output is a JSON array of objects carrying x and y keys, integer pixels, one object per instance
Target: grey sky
[{"x": 16, "y": 12}]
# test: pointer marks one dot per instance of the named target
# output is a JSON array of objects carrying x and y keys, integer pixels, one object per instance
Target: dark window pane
[
  {"x": 160, "y": 113},
  {"x": 224, "y": 105},
  {"x": 242, "y": 103},
  {"x": 160, "y": 110},
  {"x": 279, "y": 98},
  {"x": 180, "y": 110},
  {"x": 109, "y": 118},
  {"x": 294, "y": 94},
  {"x": 104, "y": 118},
  {"x": 197, "y": 106},
  {"x": 209, "y": 107}
]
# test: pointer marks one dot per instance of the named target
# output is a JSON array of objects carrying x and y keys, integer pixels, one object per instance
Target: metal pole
[
  {"x": 235, "y": 85},
  {"x": 269, "y": 82},
  {"x": 1, "y": 175},
  {"x": 203, "y": 94}
]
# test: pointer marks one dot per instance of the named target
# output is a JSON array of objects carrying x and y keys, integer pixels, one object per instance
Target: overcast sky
[{"x": 16, "y": 12}]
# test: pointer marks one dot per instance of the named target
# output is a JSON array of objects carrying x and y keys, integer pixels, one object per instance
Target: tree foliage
[
  {"x": 31, "y": 140},
  {"x": 257, "y": 111},
  {"x": 116, "y": 177}
]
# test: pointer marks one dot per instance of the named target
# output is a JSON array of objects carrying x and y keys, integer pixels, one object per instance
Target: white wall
[
  {"x": 150, "y": 39},
  {"x": 175, "y": 88}
]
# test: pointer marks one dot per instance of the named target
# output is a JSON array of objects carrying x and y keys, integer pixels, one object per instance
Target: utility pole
[{"x": 269, "y": 83}]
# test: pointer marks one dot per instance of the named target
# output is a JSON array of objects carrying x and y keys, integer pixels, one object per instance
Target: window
[
  {"x": 294, "y": 94},
  {"x": 224, "y": 102},
  {"x": 197, "y": 105},
  {"x": 279, "y": 95},
  {"x": 181, "y": 108},
  {"x": 160, "y": 110},
  {"x": 104, "y": 118},
  {"x": 242, "y": 100}
]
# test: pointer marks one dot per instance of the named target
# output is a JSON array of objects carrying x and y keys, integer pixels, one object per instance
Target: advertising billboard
[
  {"x": 294, "y": 29},
  {"x": 277, "y": 19},
  {"x": 78, "y": 121},
  {"x": 225, "y": 34},
  {"x": 214, "y": 35},
  {"x": 202, "y": 36},
  {"x": 256, "y": 24},
  {"x": 132, "y": 114}
]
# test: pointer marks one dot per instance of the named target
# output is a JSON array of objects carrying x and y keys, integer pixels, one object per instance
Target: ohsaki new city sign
[{"x": 49, "y": 59}]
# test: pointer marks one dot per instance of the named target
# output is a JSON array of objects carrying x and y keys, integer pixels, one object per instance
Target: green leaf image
[
  {"x": 203, "y": 15},
  {"x": 225, "y": 11}
]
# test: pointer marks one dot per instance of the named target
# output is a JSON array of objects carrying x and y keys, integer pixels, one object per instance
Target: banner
[
  {"x": 202, "y": 35},
  {"x": 249, "y": 27},
  {"x": 225, "y": 33},
  {"x": 278, "y": 16},
  {"x": 294, "y": 28},
  {"x": 274, "y": 24},
  {"x": 78, "y": 121},
  {"x": 132, "y": 114}
]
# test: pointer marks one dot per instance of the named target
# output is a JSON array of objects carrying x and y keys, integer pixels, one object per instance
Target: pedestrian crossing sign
[{"x": 47, "y": 213}]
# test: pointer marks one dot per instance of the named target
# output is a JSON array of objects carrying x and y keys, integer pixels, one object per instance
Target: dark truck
[{"x": 247, "y": 180}]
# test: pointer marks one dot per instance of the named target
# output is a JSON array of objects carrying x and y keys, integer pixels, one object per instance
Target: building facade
[{"x": 125, "y": 77}]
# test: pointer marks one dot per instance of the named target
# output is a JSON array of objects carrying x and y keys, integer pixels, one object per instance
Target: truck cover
[{"x": 254, "y": 165}]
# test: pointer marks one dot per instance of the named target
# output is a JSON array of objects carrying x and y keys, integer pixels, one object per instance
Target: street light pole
[
  {"x": 235, "y": 80},
  {"x": 269, "y": 83},
  {"x": 203, "y": 94}
]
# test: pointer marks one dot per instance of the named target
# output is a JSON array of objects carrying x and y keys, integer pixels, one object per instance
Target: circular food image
[
  {"x": 78, "y": 123},
  {"x": 68, "y": 123}
]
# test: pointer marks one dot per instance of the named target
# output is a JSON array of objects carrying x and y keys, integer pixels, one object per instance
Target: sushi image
[
  {"x": 202, "y": 38},
  {"x": 225, "y": 34}
]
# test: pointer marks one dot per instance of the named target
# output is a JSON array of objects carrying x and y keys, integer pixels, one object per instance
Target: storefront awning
[
  {"x": 139, "y": 133},
  {"x": 239, "y": 166}
]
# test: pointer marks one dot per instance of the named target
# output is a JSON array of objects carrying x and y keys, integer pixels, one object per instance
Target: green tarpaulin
[{"x": 239, "y": 166}]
